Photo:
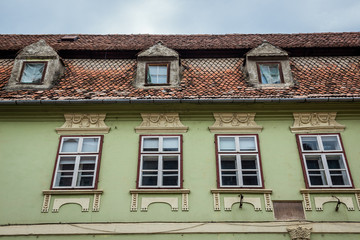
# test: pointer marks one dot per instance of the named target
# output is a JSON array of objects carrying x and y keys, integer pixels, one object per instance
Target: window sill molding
[
  {"x": 230, "y": 201},
  {"x": 320, "y": 201},
  {"x": 183, "y": 194},
  {"x": 58, "y": 201}
]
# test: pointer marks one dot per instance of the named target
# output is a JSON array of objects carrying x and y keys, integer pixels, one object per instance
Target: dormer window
[
  {"x": 33, "y": 72},
  {"x": 157, "y": 67},
  {"x": 268, "y": 66},
  {"x": 270, "y": 72},
  {"x": 36, "y": 67},
  {"x": 157, "y": 74}
]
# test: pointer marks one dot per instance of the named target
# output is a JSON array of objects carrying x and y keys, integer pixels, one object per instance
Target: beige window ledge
[
  {"x": 72, "y": 192},
  {"x": 240, "y": 190},
  {"x": 331, "y": 190},
  {"x": 183, "y": 194}
]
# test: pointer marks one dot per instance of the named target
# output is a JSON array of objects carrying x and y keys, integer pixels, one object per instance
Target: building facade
[{"x": 180, "y": 136}]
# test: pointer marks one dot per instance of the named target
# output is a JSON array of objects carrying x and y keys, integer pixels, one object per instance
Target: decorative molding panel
[
  {"x": 160, "y": 122},
  {"x": 230, "y": 201},
  {"x": 307, "y": 202},
  {"x": 357, "y": 196},
  {"x": 172, "y": 201},
  {"x": 320, "y": 201},
  {"x": 80, "y": 123},
  {"x": 180, "y": 194},
  {"x": 235, "y": 122},
  {"x": 83, "y": 202},
  {"x": 59, "y": 201},
  {"x": 316, "y": 122},
  {"x": 299, "y": 233}
]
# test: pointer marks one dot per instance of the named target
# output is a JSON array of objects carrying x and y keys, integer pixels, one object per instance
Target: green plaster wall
[{"x": 28, "y": 152}]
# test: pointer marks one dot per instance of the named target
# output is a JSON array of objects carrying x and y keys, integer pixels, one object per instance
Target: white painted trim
[{"x": 176, "y": 228}]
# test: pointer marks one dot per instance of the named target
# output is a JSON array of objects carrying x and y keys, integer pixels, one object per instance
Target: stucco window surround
[
  {"x": 238, "y": 161},
  {"x": 78, "y": 162},
  {"x": 324, "y": 161},
  {"x": 36, "y": 53},
  {"x": 267, "y": 54},
  {"x": 160, "y": 161},
  {"x": 158, "y": 55}
]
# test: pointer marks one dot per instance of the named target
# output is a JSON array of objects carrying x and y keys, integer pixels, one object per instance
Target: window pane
[
  {"x": 250, "y": 180},
  {"x": 314, "y": 162},
  {"x": 90, "y": 145},
  {"x": 70, "y": 145},
  {"x": 32, "y": 73},
  {"x": 149, "y": 180},
  {"x": 85, "y": 181},
  {"x": 87, "y": 163},
  {"x": 228, "y": 161},
  {"x": 151, "y": 144},
  {"x": 335, "y": 161},
  {"x": 330, "y": 143},
  {"x": 248, "y": 162},
  {"x": 162, "y": 70},
  {"x": 229, "y": 180},
  {"x": 247, "y": 144},
  {"x": 170, "y": 144},
  {"x": 170, "y": 162},
  {"x": 318, "y": 180},
  {"x": 227, "y": 144},
  {"x": 157, "y": 75},
  {"x": 339, "y": 178},
  {"x": 270, "y": 73},
  {"x": 170, "y": 180},
  {"x": 67, "y": 163},
  {"x": 150, "y": 162},
  {"x": 309, "y": 143}
]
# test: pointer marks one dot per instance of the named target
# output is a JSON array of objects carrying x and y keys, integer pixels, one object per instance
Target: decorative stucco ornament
[
  {"x": 235, "y": 122},
  {"x": 316, "y": 122},
  {"x": 160, "y": 122},
  {"x": 79, "y": 123},
  {"x": 299, "y": 233}
]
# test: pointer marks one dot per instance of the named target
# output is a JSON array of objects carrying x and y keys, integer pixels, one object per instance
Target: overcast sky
[{"x": 177, "y": 16}]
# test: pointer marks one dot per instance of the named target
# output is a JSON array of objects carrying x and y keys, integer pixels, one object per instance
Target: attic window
[
  {"x": 33, "y": 72},
  {"x": 157, "y": 73},
  {"x": 270, "y": 73},
  {"x": 69, "y": 38}
]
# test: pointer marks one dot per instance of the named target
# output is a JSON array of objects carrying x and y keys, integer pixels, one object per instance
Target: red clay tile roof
[
  {"x": 202, "y": 79},
  {"x": 186, "y": 42}
]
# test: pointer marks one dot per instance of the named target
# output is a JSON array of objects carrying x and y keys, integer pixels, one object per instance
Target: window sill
[
  {"x": 72, "y": 192},
  {"x": 183, "y": 194},
  {"x": 242, "y": 190},
  {"x": 331, "y": 190}
]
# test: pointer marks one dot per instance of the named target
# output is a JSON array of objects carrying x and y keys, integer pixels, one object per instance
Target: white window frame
[
  {"x": 160, "y": 154},
  {"x": 77, "y": 155},
  {"x": 322, "y": 153},
  {"x": 238, "y": 168}
]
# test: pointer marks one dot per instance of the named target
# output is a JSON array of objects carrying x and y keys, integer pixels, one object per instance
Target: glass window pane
[
  {"x": 64, "y": 181},
  {"x": 32, "y": 73},
  {"x": 170, "y": 180},
  {"x": 171, "y": 144},
  {"x": 335, "y": 161},
  {"x": 150, "y": 162},
  {"x": 149, "y": 180},
  {"x": 67, "y": 163},
  {"x": 227, "y": 144},
  {"x": 247, "y": 144},
  {"x": 90, "y": 145},
  {"x": 229, "y": 180},
  {"x": 151, "y": 144},
  {"x": 309, "y": 143},
  {"x": 228, "y": 161},
  {"x": 250, "y": 180},
  {"x": 314, "y": 162},
  {"x": 170, "y": 162},
  {"x": 70, "y": 145},
  {"x": 270, "y": 73},
  {"x": 86, "y": 181},
  {"x": 162, "y": 70},
  {"x": 248, "y": 162},
  {"x": 330, "y": 143},
  {"x": 318, "y": 180},
  {"x": 339, "y": 178},
  {"x": 87, "y": 163}
]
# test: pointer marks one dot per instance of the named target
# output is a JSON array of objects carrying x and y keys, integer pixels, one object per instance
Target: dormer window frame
[
  {"x": 258, "y": 63},
  {"x": 24, "y": 63},
  {"x": 148, "y": 64}
]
